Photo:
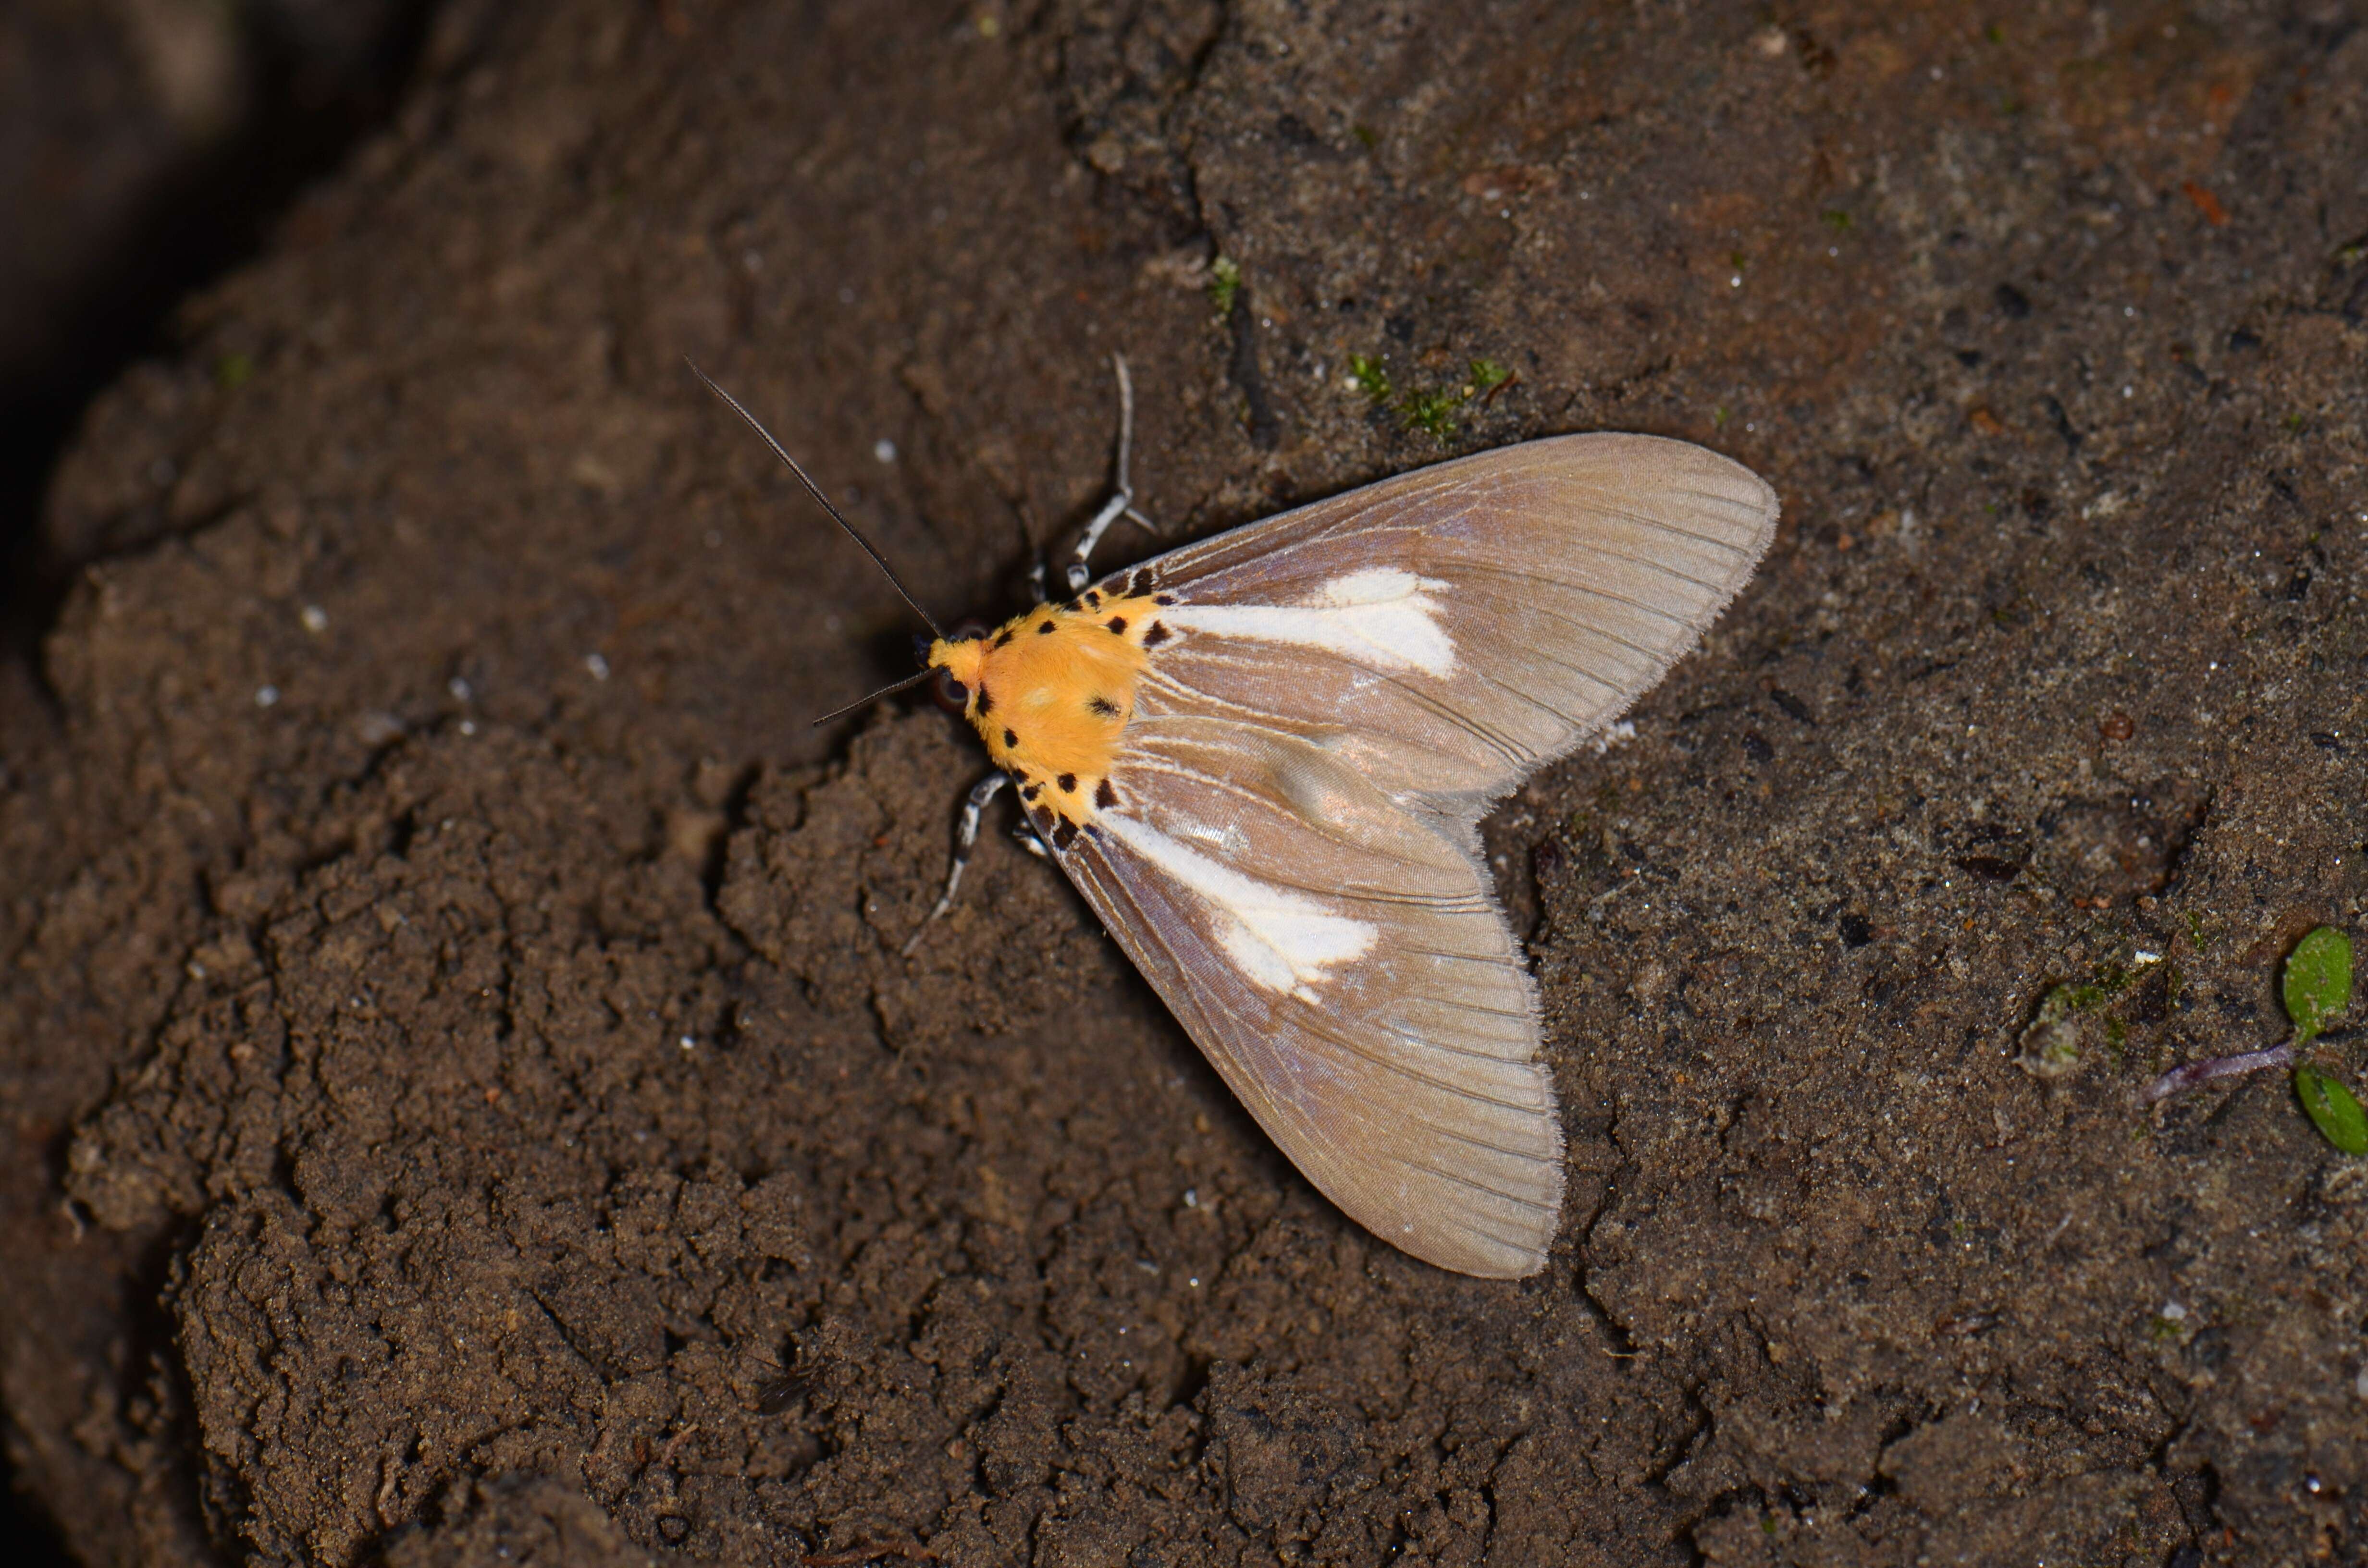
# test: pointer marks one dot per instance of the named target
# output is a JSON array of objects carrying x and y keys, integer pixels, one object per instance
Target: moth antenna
[
  {"x": 815, "y": 491},
  {"x": 883, "y": 691}
]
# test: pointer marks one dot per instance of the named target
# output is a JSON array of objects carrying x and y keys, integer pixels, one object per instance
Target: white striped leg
[
  {"x": 965, "y": 837},
  {"x": 1121, "y": 503}
]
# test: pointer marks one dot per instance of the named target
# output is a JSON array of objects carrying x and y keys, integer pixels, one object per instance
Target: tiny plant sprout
[
  {"x": 2317, "y": 988},
  {"x": 1224, "y": 285},
  {"x": 1435, "y": 411}
]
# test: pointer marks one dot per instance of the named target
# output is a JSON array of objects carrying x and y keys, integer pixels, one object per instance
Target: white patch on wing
[
  {"x": 1283, "y": 941},
  {"x": 1382, "y": 616},
  {"x": 1227, "y": 840}
]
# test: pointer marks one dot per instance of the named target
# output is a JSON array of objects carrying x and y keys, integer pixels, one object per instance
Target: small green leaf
[
  {"x": 1487, "y": 375},
  {"x": 2319, "y": 982},
  {"x": 1371, "y": 379},
  {"x": 1431, "y": 411},
  {"x": 2332, "y": 1109},
  {"x": 1224, "y": 283}
]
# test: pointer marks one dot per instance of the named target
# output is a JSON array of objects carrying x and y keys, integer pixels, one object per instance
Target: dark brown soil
[
  {"x": 144, "y": 146},
  {"x": 464, "y": 1101}
]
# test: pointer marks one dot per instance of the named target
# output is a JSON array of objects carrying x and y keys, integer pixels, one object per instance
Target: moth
[{"x": 1262, "y": 759}]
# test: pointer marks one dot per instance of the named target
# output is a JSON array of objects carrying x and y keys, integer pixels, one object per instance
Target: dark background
[{"x": 142, "y": 155}]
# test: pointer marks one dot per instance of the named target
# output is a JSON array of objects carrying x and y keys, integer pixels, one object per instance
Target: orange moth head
[{"x": 960, "y": 657}]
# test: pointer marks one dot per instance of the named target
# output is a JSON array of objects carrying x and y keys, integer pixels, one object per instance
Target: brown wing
[
  {"x": 1541, "y": 589},
  {"x": 1343, "y": 964}
]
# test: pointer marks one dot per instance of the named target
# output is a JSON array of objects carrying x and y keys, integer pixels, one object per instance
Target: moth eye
[
  {"x": 968, "y": 630},
  {"x": 951, "y": 694}
]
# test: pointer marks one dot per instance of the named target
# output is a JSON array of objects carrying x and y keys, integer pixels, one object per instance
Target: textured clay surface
[{"x": 463, "y": 1101}]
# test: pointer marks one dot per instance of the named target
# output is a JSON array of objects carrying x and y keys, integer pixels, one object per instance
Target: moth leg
[
  {"x": 965, "y": 839},
  {"x": 1121, "y": 501},
  {"x": 1027, "y": 838}
]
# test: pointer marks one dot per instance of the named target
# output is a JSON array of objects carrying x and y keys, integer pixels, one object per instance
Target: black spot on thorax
[{"x": 1102, "y": 707}]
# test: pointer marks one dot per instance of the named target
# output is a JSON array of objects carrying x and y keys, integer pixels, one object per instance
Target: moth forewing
[{"x": 1543, "y": 588}]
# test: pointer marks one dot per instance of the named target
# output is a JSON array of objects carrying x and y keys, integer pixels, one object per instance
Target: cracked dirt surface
[{"x": 465, "y": 1103}]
